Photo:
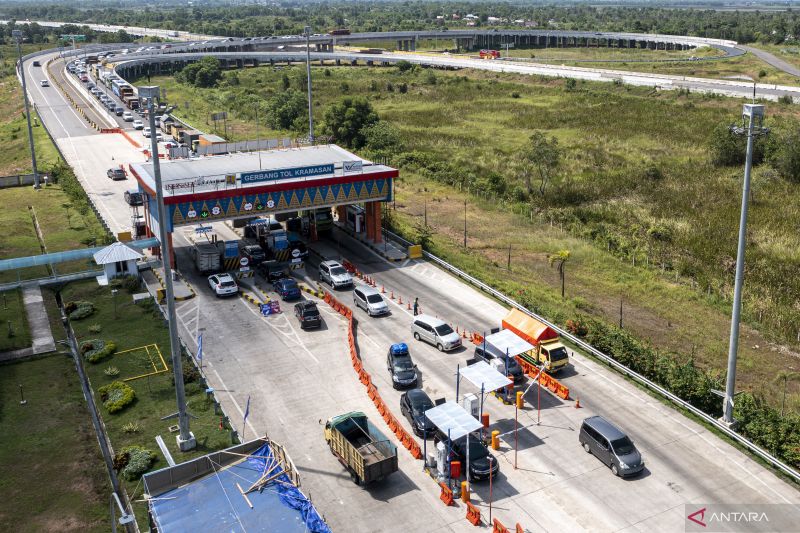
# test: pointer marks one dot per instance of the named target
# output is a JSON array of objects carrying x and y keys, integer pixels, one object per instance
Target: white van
[
  {"x": 434, "y": 331},
  {"x": 370, "y": 300}
]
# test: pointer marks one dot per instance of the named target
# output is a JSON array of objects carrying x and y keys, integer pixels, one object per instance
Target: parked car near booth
[
  {"x": 413, "y": 405},
  {"x": 308, "y": 315},
  {"x": 287, "y": 289}
]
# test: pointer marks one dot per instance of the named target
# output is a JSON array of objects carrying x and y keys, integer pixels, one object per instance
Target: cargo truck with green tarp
[{"x": 363, "y": 450}]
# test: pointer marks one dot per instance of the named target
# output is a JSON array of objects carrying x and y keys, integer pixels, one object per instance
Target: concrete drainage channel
[{"x": 610, "y": 361}]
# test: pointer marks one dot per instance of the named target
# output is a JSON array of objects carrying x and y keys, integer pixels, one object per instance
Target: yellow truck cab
[{"x": 548, "y": 351}]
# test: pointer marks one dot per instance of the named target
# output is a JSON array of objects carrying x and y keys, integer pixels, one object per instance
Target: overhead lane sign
[{"x": 285, "y": 173}]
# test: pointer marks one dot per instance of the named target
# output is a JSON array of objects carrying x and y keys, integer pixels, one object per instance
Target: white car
[
  {"x": 44, "y": 83},
  {"x": 127, "y": 116},
  {"x": 223, "y": 285},
  {"x": 146, "y": 131},
  {"x": 138, "y": 124}
]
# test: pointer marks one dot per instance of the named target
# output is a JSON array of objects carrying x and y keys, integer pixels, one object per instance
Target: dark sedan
[
  {"x": 287, "y": 289},
  {"x": 116, "y": 173},
  {"x": 413, "y": 405},
  {"x": 308, "y": 315},
  {"x": 482, "y": 464}
]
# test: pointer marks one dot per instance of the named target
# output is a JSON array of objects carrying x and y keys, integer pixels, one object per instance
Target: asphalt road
[
  {"x": 297, "y": 378},
  {"x": 773, "y": 60}
]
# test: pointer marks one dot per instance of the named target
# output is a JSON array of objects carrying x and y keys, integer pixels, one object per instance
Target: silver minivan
[
  {"x": 437, "y": 332},
  {"x": 608, "y": 443},
  {"x": 370, "y": 300}
]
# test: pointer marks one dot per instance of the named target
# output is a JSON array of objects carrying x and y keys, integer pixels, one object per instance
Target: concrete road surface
[{"x": 297, "y": 378}]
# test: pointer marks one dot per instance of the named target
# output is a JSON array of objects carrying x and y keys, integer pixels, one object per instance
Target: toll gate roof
[
  {"x": 252, "y": 169},
  {"x": 451, "y": 417},
  {"x": 506, "y": 342},
  {"x": 481, "y": 374}
]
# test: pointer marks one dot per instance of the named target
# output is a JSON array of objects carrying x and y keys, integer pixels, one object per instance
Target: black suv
[
  {"x": 401, "y": 367},
  {"x": 308, "y": 315},
  {"x": 254, "y": 253},
  {"x": 413, "y": 405},
  {"x": 478, "y": 456},
  {"x": 133, "y": 197}
]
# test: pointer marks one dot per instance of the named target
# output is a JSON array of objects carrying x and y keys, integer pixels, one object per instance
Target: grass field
[
  {"x": 15, "y": 158},
  {"x": 134, "y": 327},
  {"x": 15, "y": 335},
  {"x": 53, "y": 475},
  {"x": 661, "y": 240},
  {"x": 63, "y": 227}
]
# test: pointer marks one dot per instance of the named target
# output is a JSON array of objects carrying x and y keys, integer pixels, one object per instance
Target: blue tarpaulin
[{"x": 214, "y": 502}]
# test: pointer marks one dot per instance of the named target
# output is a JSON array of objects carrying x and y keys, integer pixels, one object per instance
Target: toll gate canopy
[
  {"x": 203, "y": 495},
  {"x": 243, "y": 185},
  {"x": 451, "y": 419}
]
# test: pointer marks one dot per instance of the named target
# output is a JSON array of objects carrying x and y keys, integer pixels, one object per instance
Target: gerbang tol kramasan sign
[{"x": 285, "y": 173}]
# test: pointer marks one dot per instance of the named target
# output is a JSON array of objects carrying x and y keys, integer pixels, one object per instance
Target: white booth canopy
[
  {"x": 484, "y": 376},
  {"x": 451, "y": 417}
]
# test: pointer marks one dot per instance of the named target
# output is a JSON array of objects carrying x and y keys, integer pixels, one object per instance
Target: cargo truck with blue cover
[{"x": 363, "y": 450}]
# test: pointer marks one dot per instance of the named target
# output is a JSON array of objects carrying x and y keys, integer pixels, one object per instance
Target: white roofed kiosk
[{"x": 246, "y": 185}]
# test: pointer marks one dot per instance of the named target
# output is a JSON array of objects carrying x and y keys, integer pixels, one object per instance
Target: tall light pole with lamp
[
  {"x": 307, "y": 31},
  {"x": 186, "y": 440},
  {"x": 17, "y": 35},
  {"x": 753, "y": 115}
]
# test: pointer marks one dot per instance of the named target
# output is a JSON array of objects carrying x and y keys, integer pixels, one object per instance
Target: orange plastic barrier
[
  {"x": 473, "y": 515},
  {"x": 447, "y": 495},
  {"x": 498, "y": 527},
  {"x": 554, "y": 386},
  {"x": 477, "y": 338},
  {"x": 520, "y": 529}
]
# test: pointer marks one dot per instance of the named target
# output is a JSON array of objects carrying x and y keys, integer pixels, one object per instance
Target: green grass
[
  {"x": 53, "y": 475},
  {"x": 63, "y": 228},
  {"x": 679, "y": 229},
  {"x": 132, "y": 327},
  {"x": 12, "y": 309},
  {"x": 15, "y": 158}
]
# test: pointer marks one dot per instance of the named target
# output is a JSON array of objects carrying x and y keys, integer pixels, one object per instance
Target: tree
[
  {"x": 559, "y": 259},
  {"x": 404, "y": 66},
  {"x": 284, "y": 109},
  {"x": 382, "y": 137},
  {"x": 543, "y": 158},
  {"x": 785, "y": 154},
  {"x": 203, "y": 73},
  {"x": 729, "y": 149},
  {"x": 347, "y": 120}
]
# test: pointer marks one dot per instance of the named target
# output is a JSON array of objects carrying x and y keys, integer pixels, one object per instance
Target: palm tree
[
  {"x": 785, "y": 376},
  {"x": 559, "y": 259}
]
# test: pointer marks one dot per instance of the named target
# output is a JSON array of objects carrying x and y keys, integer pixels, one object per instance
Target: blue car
[{"x": 287, "y": 288}]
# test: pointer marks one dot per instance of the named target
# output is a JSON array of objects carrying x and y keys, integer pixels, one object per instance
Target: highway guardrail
[{"x": 757, "y": 450}]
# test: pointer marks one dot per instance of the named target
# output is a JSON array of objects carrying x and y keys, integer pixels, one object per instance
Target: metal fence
[{"x": 583, "y": 345}]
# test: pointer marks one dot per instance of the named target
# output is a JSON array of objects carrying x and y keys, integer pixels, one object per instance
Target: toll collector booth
[{"x": 247, "y": 185}]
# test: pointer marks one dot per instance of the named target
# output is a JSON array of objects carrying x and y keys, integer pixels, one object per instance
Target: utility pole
[
  {"x": 17, "y": 35},
  {"x": 754, "y": 115},
  {"x": 307, "y": 31},
  {"x": 465, "y": 222},
  {"x": 186, "y": 440}
]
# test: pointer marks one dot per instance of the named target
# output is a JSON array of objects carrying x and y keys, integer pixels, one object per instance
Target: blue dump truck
[{"x": 363, "y": 450}]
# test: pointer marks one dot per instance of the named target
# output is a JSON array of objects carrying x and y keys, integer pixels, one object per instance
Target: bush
[
  {"x": 515, "y": 94},
  {"x": 785, "y": 99},
  {"x": 111, "y": 371},
  {"x": 95, "y": 350},
  {"x": 95, "y": 328},
  {"x": 190, "y": 372},
  {"x": 137, "y": 460},
  {"x": 115, "y": 396},
  {"x": 404, "y": 66},
  {"x": 130, "y": 427},
  {"x": 79, "y": 309}
]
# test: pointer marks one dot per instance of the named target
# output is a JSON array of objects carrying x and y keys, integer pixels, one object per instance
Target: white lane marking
[
  {"x": 235, "y": 403},
  {"x": 292, "y": 335}
]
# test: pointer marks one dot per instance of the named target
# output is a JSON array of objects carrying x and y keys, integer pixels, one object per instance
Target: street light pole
[
  {"x": 17, "y": 35},
  {"x": 186, "y": 440},
  {"x": 754, "y": 114},
  {"x": 308, "y": 75}
]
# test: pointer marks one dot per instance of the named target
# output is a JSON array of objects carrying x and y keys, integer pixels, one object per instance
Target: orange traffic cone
[
  {"x": 392, "y": 295},
  {"x": 409, "y": 305},
  {"x": 458, "y": 332},
  {"x": 400, "y": 300},
  {"x": 383, "y": 289},
  {"x": 578, "y": 403},
  {"x": 464, "y": 334}
]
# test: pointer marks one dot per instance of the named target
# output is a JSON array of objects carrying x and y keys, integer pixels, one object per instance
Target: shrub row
[
  {"x": 95, "y": 350},
  {"x": 79, "y": 309},
  {"x": 133, "y": 461}
]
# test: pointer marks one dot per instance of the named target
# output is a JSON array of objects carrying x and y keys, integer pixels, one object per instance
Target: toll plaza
[{"x": 247, "y": 185}]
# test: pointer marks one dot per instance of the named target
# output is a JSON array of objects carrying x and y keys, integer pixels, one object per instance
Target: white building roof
[
  {"x": 116, "y": 252},
  {"x": 182, "y": 176}
]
